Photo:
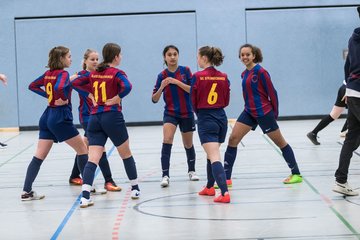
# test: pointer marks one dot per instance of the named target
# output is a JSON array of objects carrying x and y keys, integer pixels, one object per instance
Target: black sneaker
[
  {"x": 3, "y": 145},
  {"x": 28, "y": 196},
  {"x": 313, "y": 138}
]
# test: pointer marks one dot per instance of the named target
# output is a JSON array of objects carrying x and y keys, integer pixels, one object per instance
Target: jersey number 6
[{"x": 213, "y": 96}]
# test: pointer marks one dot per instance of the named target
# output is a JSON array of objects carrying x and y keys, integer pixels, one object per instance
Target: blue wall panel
[
  {"x": 303, "y": 51},
  {"x": 142, "y": 38}
]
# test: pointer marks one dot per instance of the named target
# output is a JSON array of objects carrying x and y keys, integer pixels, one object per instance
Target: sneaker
[
  {"x": 97, "y": 191},
  {"x": 135, "y": 194},
  {"x": 112, "y": 187},
  {"x": 31, "y": 196},
  {"x": 165, "y": 182},
  {"x": 293, "y": 178},
  {"x": 313, "y": 138},
  {"x": 223, "y": 199},
  {"x": 84, "y": 203},
  {"x": 75, "y": 181},
  {"x": 207, "y": 191},
  {"x": 2, "y": 145},
  {"x": 343, "y": 134},
  {"x": 228, "y": 183},
  {"x": 344, "y": 188},
  {"x": 193, "y": 176}
]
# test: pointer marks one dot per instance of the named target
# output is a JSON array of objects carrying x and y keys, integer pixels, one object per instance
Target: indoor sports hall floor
[{"x": 261, "y": 206}]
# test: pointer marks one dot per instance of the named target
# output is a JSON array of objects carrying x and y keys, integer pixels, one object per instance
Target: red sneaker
[
  {"x": 75, "y": 181},
  {"x": 112, "y": 187},
  {"x": 208, "y": 191},
  {"x": 223, "y": 199}
]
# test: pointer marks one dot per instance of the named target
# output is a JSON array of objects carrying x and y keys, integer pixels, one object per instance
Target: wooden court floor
[{"x": 261, "y": 207}]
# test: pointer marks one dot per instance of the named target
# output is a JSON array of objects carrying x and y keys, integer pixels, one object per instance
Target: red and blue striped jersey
[
  {"x": 210, "y": 89},
  {"x": 104, "y": 85},
  {"x": 259, "y": 93},
  {"x": 177, "y": 101},
  {"x": 53, "y": 85},
  {"x": 85, "y": 102}
]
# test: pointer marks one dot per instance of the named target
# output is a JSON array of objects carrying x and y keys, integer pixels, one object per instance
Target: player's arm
[
  {"x": 81, "y": 84},
  {"x": 159, "y": 87},
  {"x": 3, "y": 78},
  {"x": 193, "y": 93},
  {"x": 36, "y": 85},
  {"x": 180, "y": 84},
  {"x": 270, "y": 89},
  {"x": 125, "y": 85}
]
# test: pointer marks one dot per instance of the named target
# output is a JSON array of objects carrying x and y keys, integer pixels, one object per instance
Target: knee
[
  {"x": 234, "y": 141},
  {"x": 168, "y": 140}
]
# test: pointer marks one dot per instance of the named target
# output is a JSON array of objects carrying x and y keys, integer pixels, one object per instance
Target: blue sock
[
  {"x": 290, "y": 159},
  {"x": 75, "y": 173},
  {"x": 229, "y": 159},
  {"x": 88, "y": 178},
  {"x": 209, "y": 173},
  {"x": 130, "y": 168},
  {"x": 165, "y": 158},
  {"x": 81, "y": 161},
  {"x": 31, "y": 173},
  {"x": 219, "y": 175},
  {"x": 191, "y": 156},
  {"x": 105, "y": 168}
]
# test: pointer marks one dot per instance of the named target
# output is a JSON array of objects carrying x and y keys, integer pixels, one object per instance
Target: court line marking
[
  {"x": 323, "y": 197},
  {"x": 75, "y": 205},
  {"x": 2, "y": 164}
]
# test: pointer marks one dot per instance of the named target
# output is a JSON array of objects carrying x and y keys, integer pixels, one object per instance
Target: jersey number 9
[
  {"x": 49, "y": 91},
  {"x": 102, "y": 87},
  {"x": 213, "y": 96}
]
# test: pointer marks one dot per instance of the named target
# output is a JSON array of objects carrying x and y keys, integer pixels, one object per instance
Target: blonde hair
[{"x": 86, "y": 56}]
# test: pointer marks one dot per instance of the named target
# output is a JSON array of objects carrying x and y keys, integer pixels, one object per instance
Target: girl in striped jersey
[
  {"x": 261, "y": 108},
  {"x": 56, "y": 123},
  {"x": 210, "y": 94},
  {"x": 90, "y": 62},
  {"x": 107, "y": 85},
  {"x": 174, "y": 84}
]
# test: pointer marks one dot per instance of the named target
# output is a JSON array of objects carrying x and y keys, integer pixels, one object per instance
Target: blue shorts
[
  {"x": 107, "y": 125},
  {"x": 185, "y": 124},
  {"x": 212, "y": 125},
  {"x": 85, "y": 126},
  {"x": 267, "y": 123},
  {"x": 57, "y": 124}
]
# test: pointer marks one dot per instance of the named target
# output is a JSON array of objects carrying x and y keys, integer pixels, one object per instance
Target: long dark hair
[
  {"x": 167, "y": 49},
  {"x": 255, "y": 51},
  {"x": 109, "y": 52}
]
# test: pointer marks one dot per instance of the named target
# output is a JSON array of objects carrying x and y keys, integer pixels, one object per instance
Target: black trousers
[{"x": 352, "y": 139}]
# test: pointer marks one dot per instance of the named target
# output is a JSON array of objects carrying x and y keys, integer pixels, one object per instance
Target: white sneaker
[
  {"x": 97, "y": 191},
  {"x": 32, "y": 195},
  {"x": 193, "y": 176},
  {"x": 84, "y": 203},
  {"x": 135, "y": 194},
  {"x": 344, "y": 188},
  {"x": 165, "y": 182}
]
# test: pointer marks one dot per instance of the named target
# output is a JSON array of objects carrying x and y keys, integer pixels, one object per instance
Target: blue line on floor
[{"x": 75, "y": 205}]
